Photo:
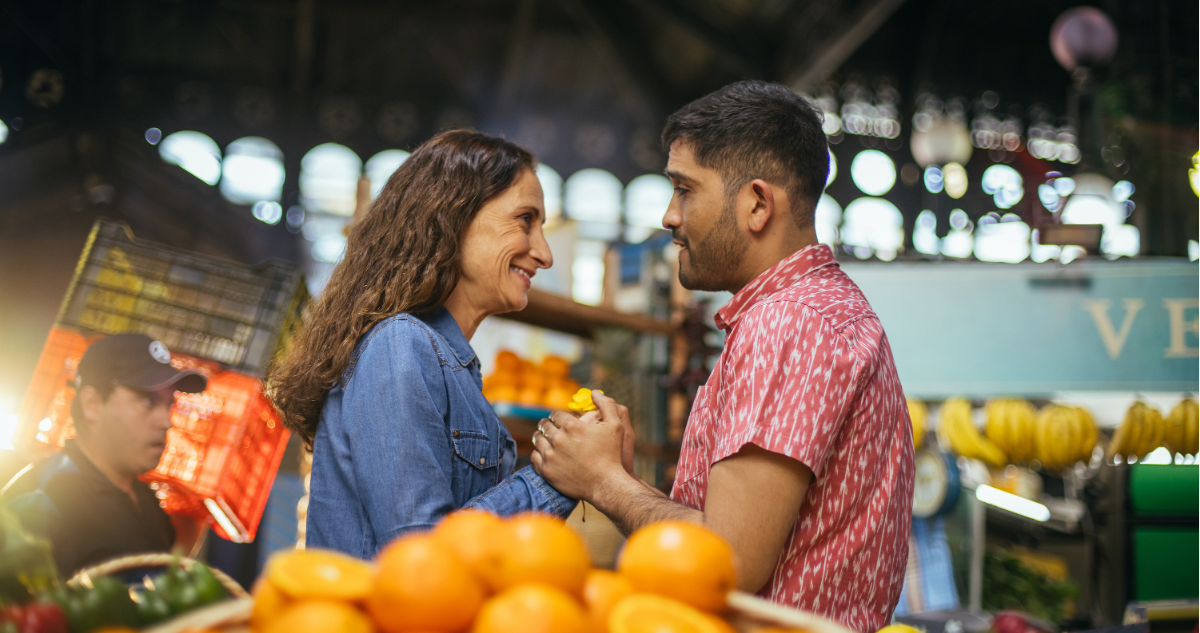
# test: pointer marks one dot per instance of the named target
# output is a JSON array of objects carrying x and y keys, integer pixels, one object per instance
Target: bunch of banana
[
  {"x": 1141, "y": 432},
  {"x": 918, "y": 414},
  {"x": 956, "y": 430},
  {"x": 1063, "y": 435},
  {"x": 1010, "y": 426},
  {"x": 1182, "y": 434}
]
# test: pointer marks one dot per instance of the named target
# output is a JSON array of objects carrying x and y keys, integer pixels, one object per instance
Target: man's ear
[
  {"x": 90, "y": 403},
  {"x": 763, "y": 199}
]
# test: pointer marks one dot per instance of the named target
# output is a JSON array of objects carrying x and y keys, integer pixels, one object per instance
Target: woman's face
[{"x": 503, "y": 248}]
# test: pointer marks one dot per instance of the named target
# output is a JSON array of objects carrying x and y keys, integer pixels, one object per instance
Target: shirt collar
[
  {"x": 88, "y": 469},
  {"x": 786, "y": 273},
  {"x": 444, "y": 324}
]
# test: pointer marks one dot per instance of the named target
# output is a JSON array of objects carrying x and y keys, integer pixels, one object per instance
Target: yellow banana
[
  {"x": 966, "y": 440},
  {"x": 919, "y": 416},
  {"x": 1090, "y": 434},
  {"x": 1010, "y": 426},
  {"x": 1191, "y": 429},
  {"x": 1152, "y": 437},
  {"x": 1175, "y": 427}
]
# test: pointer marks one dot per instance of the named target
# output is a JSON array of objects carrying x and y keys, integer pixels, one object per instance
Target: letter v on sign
[{"x": 1113, "y": 340}]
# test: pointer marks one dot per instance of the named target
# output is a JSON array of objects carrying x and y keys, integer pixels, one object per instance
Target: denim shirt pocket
[{"x": 477, "y": 449}]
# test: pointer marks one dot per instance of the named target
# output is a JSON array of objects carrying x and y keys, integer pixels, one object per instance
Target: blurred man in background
[{"x": 87, "y": 499}]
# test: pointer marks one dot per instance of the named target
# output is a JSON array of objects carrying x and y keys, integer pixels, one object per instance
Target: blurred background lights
[
  {"x": 593, "y": 199},
  {"x": 1122, "y": 190},
  {"x": 269, "y": 212},
  {"x": 1004, "y": 184},
  {"x": 295, "y": 218},
  {"x": 196, "y": 153},
  {"x": 552, "y": 192},
  {"x": 873, "y": 224},
  {"x": 646, "y": 200},
  {"x": 827, "y": 218},
  {"x": 1121, "y": 241},
  {"x": 4, "y": 137},
  {"x": 873, "y": 172},
  {"x": 955, "y": 178},
  {"x": 1049, "y": 197},
  {"x": 153, "y": 136},
  {"x": 959, "y": 242},
  {"x": 1193, "y": 173},
  {"x": 1091, "y": 202},
  {"x": 329, "y": 179},
  {"x": 251, "y": 171},
  {"x": 1004, "y": 241},
  {"x": 1064, "y": 186},
  {"x": 933, "y": 179},
  {"x": 1042, "y": 253},
  {"x": 587, "y": 272},
  {"x": 832, "y": 169},
  {"x": 8, "y": 421},
  {"x": 329, "y": 248},
  {"x": 925, "y": 238},
  {"x": 380, "y": 167}
]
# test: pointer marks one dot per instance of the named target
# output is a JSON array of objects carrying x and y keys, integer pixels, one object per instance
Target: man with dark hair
[
  {"x": 87, "y": 499},
  {"x": 799, "y": 449}
]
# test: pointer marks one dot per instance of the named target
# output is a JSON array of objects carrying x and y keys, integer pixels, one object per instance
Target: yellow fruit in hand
[
  {"x": 581, "y": 402},
  {"x": 680, "y": 560}
]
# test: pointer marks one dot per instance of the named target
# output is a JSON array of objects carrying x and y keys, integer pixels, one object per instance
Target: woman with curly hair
[{"x": 382, "y": 383}]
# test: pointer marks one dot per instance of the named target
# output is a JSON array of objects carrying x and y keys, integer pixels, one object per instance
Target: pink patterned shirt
[{"x": 807, "y": 372}]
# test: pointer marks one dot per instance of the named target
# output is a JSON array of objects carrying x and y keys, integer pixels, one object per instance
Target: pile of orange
[
  {"x": 545, "y": 384},
  {"x": 477, "y": 573}
]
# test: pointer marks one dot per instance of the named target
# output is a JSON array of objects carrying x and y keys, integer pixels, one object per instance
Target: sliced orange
[
  {"x": 680, "y": 560},
  {"x": 306, "y": 574},
  {"x": 537, "y": 548},
  {"x": 470, "y": 535},
  {"x": 423, "y": 586},
  {"x": 602, "y": 590},
  {"x": 269, "y": 602},
  {"x": 531, "y": 608},
  {"x": 648, "y": 613},
  {"x": 320, "y": 616}
]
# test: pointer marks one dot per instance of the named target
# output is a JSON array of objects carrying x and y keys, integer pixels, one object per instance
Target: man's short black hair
[{"x": 757, "y": 129}]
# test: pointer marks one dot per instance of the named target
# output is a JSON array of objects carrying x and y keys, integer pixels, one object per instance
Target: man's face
[
  {"x": 703, "y": 222},
  {"x": 131, "y": 426}
]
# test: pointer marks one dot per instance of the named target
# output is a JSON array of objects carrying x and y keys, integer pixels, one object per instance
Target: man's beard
[{"x": 713, "y": 263}]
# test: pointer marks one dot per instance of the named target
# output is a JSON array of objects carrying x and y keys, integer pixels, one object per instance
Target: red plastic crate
[{"x": 221, "y": 456}]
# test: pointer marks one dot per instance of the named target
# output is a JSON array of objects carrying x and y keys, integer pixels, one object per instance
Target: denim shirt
[{"x": 407, "y": 437}]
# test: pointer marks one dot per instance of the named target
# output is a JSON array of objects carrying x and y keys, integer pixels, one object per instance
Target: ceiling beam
[
  {"x": 830, "y": 57},
  {"x": 746, "y": 54}
]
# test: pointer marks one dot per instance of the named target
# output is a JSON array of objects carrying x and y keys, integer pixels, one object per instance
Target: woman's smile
[{"x": 525, "y": 274}]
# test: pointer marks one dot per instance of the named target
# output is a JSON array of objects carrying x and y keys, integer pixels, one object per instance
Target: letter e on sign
[{"x": 1181, "y": 327}]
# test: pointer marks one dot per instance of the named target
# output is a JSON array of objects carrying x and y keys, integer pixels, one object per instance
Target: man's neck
[
  {"x": 119, "y": 479},
  {"x": 766, "y": 256}
]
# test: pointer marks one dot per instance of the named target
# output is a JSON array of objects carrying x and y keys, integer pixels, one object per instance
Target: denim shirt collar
[{"x": 444, "y": 324}]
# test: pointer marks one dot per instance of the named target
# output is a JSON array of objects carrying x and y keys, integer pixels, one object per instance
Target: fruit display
[
  {"x": 956, "y": 430},
  {"x": 1010, "y": 426},
  {"x": 1064, "y": 435},
  {"x": 1141, "y": 432},
  {"x": 546, "y": 384},
  {"x": 919, "y": 414},
  {"x": 1181, "y": 435},
  {"x": 480, "y": 573}
]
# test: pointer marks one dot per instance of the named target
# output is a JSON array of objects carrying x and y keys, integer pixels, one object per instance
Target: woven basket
[
  {"x": 750, "y": 613},
  {"x": 137, "y": 561}
]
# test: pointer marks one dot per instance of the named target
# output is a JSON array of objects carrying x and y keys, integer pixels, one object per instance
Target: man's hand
[{"x": 610, "y": 411}]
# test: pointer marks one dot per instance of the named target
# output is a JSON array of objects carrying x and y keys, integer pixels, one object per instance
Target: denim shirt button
[
  {"x": 455, "y": 434},
  {"x": 482, "y": 461}
]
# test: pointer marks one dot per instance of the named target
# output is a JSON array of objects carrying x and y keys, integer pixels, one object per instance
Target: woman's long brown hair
[{"x": 402, "y": 256}]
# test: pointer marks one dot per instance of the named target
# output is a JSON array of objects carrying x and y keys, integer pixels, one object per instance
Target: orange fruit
[
  {"x": 529, "y": 395},
  {"x": 648, "y": 613},
  {"x": 502, "y": 393},
  {"x": 555, "y": 366},
  {"x": 537, "y": 548},
  {"x": 499, "y": 380},
  {"x": 557, "y": 398},
  {"x": 320, "y": 616},
  {"x": 469, "y": 534},
  {"x": 602, "y": 590},
  {"x": 532, "y": 380},
  {"x": 423, "y": 586},
  {"x": 531, "y": 608},
  {"x": 508, "y": 362},
  {"x": 680, "y": 560},
  {"x": 305, "y": 574},
  {"x": 269, "y": 602}
]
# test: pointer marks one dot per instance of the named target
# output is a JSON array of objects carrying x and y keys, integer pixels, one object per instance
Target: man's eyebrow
[{"x": 674, "y": 175}]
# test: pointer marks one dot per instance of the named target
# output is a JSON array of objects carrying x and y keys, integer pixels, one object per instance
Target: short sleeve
[{"x": 788, "y": 383}]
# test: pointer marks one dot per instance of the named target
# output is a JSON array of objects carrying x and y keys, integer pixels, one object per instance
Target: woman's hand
[{"x": 577, "y": 455}]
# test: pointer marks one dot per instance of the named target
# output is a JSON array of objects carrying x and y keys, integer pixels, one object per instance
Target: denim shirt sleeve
[{"x": 396, "y": 411}]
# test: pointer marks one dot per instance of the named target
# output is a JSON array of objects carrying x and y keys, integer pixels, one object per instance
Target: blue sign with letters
[{"x": 1030, "y": 329}]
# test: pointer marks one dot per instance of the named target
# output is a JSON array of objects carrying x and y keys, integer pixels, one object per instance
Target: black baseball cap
[{"x": 135, "y": 361}]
